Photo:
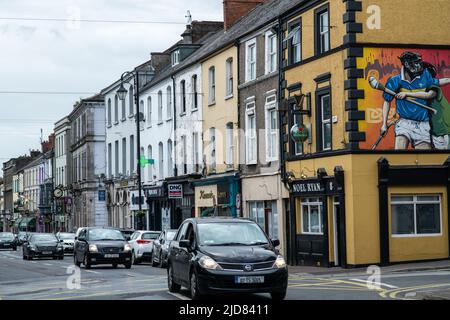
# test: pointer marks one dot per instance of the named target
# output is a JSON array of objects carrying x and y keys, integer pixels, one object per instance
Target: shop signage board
[{"x": 175, "y": 191}]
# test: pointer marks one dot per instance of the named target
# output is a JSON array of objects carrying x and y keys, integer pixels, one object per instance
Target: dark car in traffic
[
  {"x": 42, "y": 245},
  {"x": 161, "y": 246},
  {"x": 225, "y": 255},
  {"x": 94, "y": 246},
  {"x": 8, "y": 241}
]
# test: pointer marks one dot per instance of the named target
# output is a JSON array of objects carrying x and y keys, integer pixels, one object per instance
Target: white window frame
[
  {"x": 229, "y": 78},
  {"x": 169, "y": 102},
  {"x": 270, "y": 54},
  {"x": 250, "y": 60},
  {"x": 271, "y": 134},
  {"x": 149, "y": 111},
  {"x": 212, "y": 85},
  {"x": 251, "y": 140},
  {"x": 326, "y": 121},
  {"x": 324, "y": 34},
  {"x": 230, "y": 145},
  {"x": 195, "y": 150},
  {"x": 160, "y": 107},
  {"x": 309, "y": 202},
  {"x": 175, "y": 57},
  {"x": 414, "y": 202},
  {"x": 213, "y": 146},
  {"x": 194, "y": 86}
]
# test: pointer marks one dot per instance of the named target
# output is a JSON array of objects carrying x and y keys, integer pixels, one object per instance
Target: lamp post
[{"x": 122, "y": 93}]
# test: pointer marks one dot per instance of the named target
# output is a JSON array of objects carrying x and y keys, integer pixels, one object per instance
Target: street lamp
[{"x": 122, "y": 93}]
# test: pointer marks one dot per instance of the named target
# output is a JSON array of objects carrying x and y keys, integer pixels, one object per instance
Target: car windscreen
[
  {"x": 171, "y": 235},
  {"x": 151, "y": 235},
  {"x": 6, "y": 236},
  {"x": 230, "y": 233},
  {"x": 67, "y": 236},
  {"x": 43, "y": 238},
  {"x": 105, "y": 234}
]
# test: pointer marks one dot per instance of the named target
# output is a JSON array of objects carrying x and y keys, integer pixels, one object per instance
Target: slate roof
[{"x": 255, "y": 19}]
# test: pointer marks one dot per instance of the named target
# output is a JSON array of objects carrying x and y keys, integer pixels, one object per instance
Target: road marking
[
  {"x": 103, "y": 294},
  {"x": 379, "y": 284},
  {"x": 179, "y": 296},
  {"x": 33, "y": 262},
  {"x": 47, "y": 264},
  {"x": 393, "y": 293},
  {"x": 90, "y": 271}
]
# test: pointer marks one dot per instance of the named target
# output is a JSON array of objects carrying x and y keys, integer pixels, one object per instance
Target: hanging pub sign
[{"x": 299, "y": 133}]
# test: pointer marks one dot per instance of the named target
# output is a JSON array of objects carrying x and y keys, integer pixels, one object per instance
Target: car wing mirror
[
  {"x": 276, "y": 242},
  {"x": 76, "y": 238},
  {"x": 185, "y": 244}
]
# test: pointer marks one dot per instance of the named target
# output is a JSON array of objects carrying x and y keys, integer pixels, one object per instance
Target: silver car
[
  {"x": 161, "y": 246},
  {"x": 68, "y": 240}
]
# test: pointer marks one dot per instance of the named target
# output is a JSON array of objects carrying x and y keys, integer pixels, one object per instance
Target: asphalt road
[{"x": 48, "y": 279}]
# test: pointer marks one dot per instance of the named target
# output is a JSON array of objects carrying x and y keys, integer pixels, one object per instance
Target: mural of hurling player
[{"x": 417, "y": 126}]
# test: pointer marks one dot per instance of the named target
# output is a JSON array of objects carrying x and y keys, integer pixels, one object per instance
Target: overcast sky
[{"x": 70, "y": 56}]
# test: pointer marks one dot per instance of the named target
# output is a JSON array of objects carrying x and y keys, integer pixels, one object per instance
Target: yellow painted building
[
  {"x": 362, "y": 188},
  {"x": 217, "y": 192}
]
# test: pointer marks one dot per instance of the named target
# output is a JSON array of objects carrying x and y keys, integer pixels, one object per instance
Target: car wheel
[
  {"x": 75, "y": 260},
  {"x": 195, "y": 294},
  {"x": 161, "y": 261},
  {"x": 173, "y": 287},
  {"x": 54, "y": 257},
  {"x": 15, "y": 249},
  {"x": 154, "y": 263},
  {"x": 128, "y": 265},
  {"x": 24, "y": 257},
  {"x": 29, "y": 258},
  {"x": 61, "y": 258},
  {"x": 278, "y": 296},
  {"x": 87, "y": 262},
  {"x": 114, "y": 265},
  {"x": 134, "y": 260}
]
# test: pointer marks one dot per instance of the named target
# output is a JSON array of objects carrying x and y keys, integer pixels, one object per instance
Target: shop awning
[{"x": 29, "y": 221}]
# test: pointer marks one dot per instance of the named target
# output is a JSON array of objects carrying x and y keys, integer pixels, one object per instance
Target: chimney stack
[{"x": 233, "y": 10}]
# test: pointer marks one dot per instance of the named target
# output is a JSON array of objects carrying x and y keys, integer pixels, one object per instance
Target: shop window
[
  {"x": 265, "y": 214},
  {"x": 414, "y": 215},
  {"x": 312, "y": 216}
]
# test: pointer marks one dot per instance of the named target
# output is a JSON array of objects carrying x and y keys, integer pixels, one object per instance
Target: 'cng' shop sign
[{"x": 175, "y": 191}]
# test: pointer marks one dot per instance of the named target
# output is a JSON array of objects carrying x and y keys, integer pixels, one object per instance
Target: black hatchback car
[
  {"x": 225, "y": 255},
  {"x": 8, "y": 241},
  {"x": 42, "y": 245},
  {"x": 95, "y": 246}
]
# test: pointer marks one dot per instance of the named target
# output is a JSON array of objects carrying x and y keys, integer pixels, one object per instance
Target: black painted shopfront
[
  {"x": 307, "y": 222},
  {"x": 158, "y": 206}
]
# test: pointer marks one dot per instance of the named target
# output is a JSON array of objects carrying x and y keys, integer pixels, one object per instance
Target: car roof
[{"x": 201, "y": 220}]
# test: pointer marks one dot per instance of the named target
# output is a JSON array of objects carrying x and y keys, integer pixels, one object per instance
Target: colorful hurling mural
[{"x": 406, "y": 99}]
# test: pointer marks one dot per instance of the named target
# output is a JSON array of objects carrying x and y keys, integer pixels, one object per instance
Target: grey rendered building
[{"x": 88, "y": 162}]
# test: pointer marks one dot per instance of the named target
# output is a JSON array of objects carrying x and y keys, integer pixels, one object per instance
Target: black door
[{"x": 312, "y": 241}]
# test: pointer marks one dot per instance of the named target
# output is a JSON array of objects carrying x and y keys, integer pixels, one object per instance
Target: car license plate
[
  {"x": 238, "y": 279},
  {"x": 46, "y": 252},
  {"x": 111, "y": 255}
]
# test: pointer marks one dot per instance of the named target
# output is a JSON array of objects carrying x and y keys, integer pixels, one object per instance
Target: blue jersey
[{"x": 406, "y": 109}]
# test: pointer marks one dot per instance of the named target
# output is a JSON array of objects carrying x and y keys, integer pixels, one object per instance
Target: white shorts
[
  {"x": 416, "y": 132},
  {"x": 441, "y": 142}
]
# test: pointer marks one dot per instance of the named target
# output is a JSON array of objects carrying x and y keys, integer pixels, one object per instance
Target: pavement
[{"x": 402, "y": 267}]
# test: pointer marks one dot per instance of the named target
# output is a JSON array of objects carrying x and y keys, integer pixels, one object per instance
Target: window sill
[
  {"x": 109, "y": 125},
  {"x": 182, "y": 114},
  {"x": 131, "y": 116},
  {"x": 194, "y": 110},
  {"x": 228, "y": 97},
  {"x": 252, "y": 163},
  {"x": 148, "y": 127},
  {"x": 123, "y": 119},
  {"x": 416, "y": 235},
  {"x": 160, "y": 123},
  {"x": 168, "y": 120},
  {"x": 211, "y": 104},
  {"x": 271, "y": 159},
  {"x": 116, "y": 123}
]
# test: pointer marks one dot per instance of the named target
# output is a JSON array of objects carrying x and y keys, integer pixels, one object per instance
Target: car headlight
[
  {"x": 93, "y": 248},
  {"x": 127, "y": 247},
  {"x": 33, "y": 247},
  {"x": 209, "y": 263},
  {"x": 279, "y": 263}
]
